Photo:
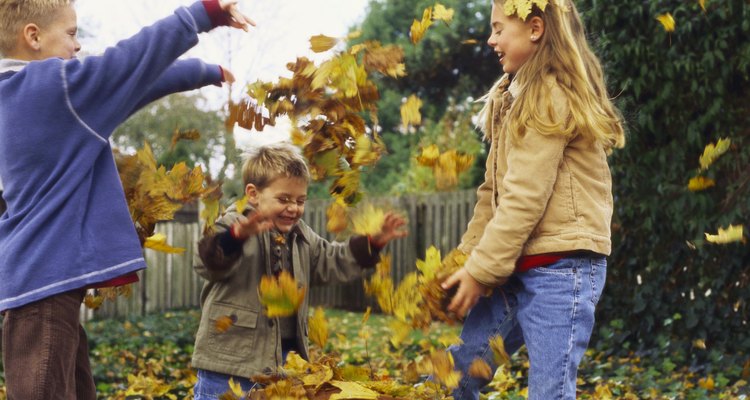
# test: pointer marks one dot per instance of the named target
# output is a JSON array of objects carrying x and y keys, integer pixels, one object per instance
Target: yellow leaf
[
  {"x": 352, "y": 390},
  {"x": 713, "y": 151},
  {"x": 322, "y": 43},
  {"x": 93, "y": 301},
  {"x": 734, "y": 233},
  {"x": 236, "y": 388},
  {"x": 158, "y": 242},
  {"x": 429, "y": 156},
  {"x": 366, "y": 316},
  {"x": 707, "y": 383},
  {"x": 470, "y": 41},
  {"x": 522, "y": 8},
  {"x": 418, "y": 28},
  {"x": 480, "y": 369},
  {"x": 318, "y": 326},
  {"x": 702, "y": 4},
  {"x": 241, "y": 204},
  {"x": 380, "y": 284},
  {"x": 431, "y": 264},
  {"x": 667, "y": 21},
  {"x": 443, "y": 369},
  {"x": 410, "y": 114},
  {"x": 603, "y": 392},
  {"x": 400, "y": 331},
  {"x": 699, "y": 183},
  {"x": 336, "y": 214},
  {"x": 354, "y": 35},
  {"x": 368, "y": 220},
  {"x": 699, "y": 344},
  {"x": 497, "y": 344},
  {"x": 441, "y": 13},
  {"x": 281, "y": 296},
  {"x": 190, "y": 134}
]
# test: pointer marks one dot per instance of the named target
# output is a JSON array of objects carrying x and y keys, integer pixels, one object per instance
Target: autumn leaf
[
  {"x": 431, "y": 264},
  {"x": 352, "y": 390},
  {"x": 380, "y": 284},
  {"x": 441, "y": 367},
  {"x": 322, "y": 43},
  {"x": 522, "y": 8},
  {"x": 280, "y": 296},
  {"x": 441, "y": 13},
  {"x": 429, "y": 156},
  {"x": 368, "y": 220},
  {"x": 410, "y": 114},
  {"x": 498, "y": 351},
  {"x": 93, "y": 301},
  {"x": 702, "y": 3},
  {"x": 470, "y": 41},
  {"x": 699, "y": 344},
  {"x": 713, "y": 151},
  {"x": 667, "y": 21},
  {"x": 158, "y": 242},
  {"x": 734, "y": 233},
  {"x": 400, "y": 331},
  {"x": 480, "y": 369},
  {"x": 190, "y": 134},
  {"x": 225, "y": 322},
  {"x": 707, "y": 383},
  {"x": 699, "y": 183},
  {"x": 336, "y": 216},
  {"x": 418, "y": 28},
  {"x": 318, "y": 326}
]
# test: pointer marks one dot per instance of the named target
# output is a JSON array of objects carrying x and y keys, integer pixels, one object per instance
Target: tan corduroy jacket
[
  {"x": 252, "y": 345},
  {"x": 541, "y": 194}
]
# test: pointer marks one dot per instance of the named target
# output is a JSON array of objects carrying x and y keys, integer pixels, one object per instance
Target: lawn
[{"x": 149, "y": 358}]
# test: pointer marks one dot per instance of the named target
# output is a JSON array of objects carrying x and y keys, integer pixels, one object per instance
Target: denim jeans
[
  {"x": 211, "y": 385},
  {"x": 549, "y": 309},
  {"x": 46, "y": 351}
]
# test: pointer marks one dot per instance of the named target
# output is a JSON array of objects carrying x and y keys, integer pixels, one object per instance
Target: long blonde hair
[{"x": 565, "y": 56}]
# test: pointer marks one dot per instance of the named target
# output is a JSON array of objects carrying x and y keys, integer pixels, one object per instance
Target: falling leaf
[
  {"x": 429, "y": 156},
  {"x": 366, "y": 315},
  {"x": 707, "y": 383},
  {"x": 470, "y": 41},
  {"x": 158, "y": 242},
  {"x": 190, "y": 134},
  {"x": 441, "y": 13},
  {"x": 418, "y": 28},
  {"x": 699, "y": 344},
  {"x": 431, "y": 264},
  {"x": 441, "y": 367},
  {"x": 702, "y": 4},
  {"x": 410, "y": 114},
  {"x": 734, "y": 233},
  {"x": 699, "y": 183},
  {"x": 225, "y": 322},
  {"x": 281, "y": 296},
  {"x": 368, "y": 220},
  {"x": 667, "y": 21},
  {"x": 241, "y": 204},
  {"x": 497, "y": 344},
  {"x": 480, "y": 369},
  {"x": 400, "y": 331},
  {"x": 713, "y": 151},
  {"x": 236, "y": 388},
  {"x": 322, "y": 43},
  {"x": 354, "y": 35},
  {"x": 93, "y": 301},
  {"x": 318, "y": 325},
  {"x": 336, "y": 216}
]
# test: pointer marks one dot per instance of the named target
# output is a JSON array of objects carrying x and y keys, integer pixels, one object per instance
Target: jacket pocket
[{"x": 238, "y": 338}]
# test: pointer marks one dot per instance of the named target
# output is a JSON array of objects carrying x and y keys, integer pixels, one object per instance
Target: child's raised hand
[
  {"x": 392, "y": 228},
  {"x": 238, "y": 19},
  {"x": 252, "y": 225},
  {"x": 468, "y": 293},
  {"x": 227, "y": 75}
]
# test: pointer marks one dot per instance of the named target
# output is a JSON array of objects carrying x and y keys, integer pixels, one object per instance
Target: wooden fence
[{"x": 170, "y": 283}]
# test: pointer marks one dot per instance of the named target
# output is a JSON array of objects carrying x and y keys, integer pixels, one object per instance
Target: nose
[
  {"x": 78, "y": 45},
  {"x": 491, "y": 42}
]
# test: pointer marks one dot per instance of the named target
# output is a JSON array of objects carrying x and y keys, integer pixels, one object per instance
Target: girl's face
[
  {"x": 512, "y": 39},
  {"x": 282, "y": 201}
]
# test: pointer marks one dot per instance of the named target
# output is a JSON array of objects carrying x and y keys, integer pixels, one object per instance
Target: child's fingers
[{"x": 240, "y": 20}]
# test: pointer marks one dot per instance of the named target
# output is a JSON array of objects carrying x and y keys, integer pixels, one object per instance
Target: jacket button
[{"x": 270, "y": 323}]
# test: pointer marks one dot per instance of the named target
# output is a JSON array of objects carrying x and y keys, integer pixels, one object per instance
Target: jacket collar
[{"x": 11, "y": 65}]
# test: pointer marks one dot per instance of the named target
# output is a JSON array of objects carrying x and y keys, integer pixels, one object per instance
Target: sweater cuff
[
  {"x": 228, "y": 243},
  {"x": 217, "y": 16},
  {"x": 367, "y": 256}
]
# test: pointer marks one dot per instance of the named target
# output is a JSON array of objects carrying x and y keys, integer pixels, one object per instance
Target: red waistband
[
  {"x": 119, "y": 281},
  {"x": 526, "y": 263}
]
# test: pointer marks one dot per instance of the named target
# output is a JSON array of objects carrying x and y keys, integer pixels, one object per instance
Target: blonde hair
[
  {"x": 565, "y": 56},
  {"x": 15, "y": 14},
  {"x": 265, "y": 164}
]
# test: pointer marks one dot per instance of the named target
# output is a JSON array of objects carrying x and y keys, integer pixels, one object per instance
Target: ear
[
  {"x": 252, "y": 193},
  {"x": 536, "y": 24},
  {"x": 31, "y": 36}
]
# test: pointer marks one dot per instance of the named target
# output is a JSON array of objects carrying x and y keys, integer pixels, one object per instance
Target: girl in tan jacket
[{"x": 541, "y": 227}]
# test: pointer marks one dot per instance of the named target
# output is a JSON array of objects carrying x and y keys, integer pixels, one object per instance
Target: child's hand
[
  {"x": 390, "y": 230},
  {"x": 467, "y": 295},
  {"x": 238, "y": 19},
  {"x": 250, "y": 226}
]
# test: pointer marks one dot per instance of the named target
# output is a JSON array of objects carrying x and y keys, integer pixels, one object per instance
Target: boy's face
[
  {"x": 283, "y": 201},
  {"x": 59, "y": 37}
]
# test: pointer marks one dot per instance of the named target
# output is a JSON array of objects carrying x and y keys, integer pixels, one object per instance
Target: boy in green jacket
[{"x": 263, "y": 241}]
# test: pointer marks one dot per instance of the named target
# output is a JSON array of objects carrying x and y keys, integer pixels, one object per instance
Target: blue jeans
[
  {"x": 211, "y": 385},
  {"x": 549, "y": 309}
]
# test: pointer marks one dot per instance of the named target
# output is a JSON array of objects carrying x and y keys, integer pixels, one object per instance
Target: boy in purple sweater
[{"x": 67, "y": 226}]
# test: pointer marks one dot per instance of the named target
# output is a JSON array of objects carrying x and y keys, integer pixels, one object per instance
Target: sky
[{"x": 282, "y": 34}]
